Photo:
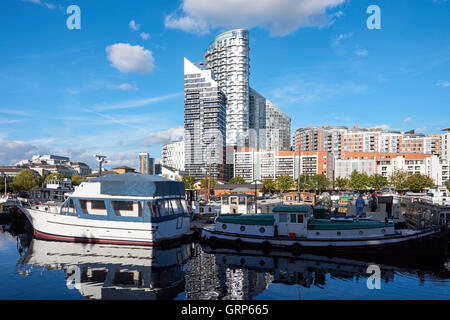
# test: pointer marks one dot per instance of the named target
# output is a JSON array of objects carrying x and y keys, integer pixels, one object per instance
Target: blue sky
[{"x": 115, "y": 86}]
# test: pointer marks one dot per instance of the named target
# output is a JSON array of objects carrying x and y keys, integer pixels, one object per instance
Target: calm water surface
[{"x": 37, "y": 269}]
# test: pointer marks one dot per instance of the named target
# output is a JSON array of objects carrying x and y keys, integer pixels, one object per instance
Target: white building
[
  {"x": 173, "y": 155},
  {"x": 228, "y": 57},
  {"x": 445, "y": 144}
]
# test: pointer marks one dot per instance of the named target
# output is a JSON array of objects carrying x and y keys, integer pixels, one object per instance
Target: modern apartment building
[
  {"x": 257, "y": 164},
  {"x": 204, "y": 123},
  {"x": 341, "y": 139},
  {"x": 270, "y": 128},
  {"x": 173, "y": 155},
  {"x": 146, "y": 164},
  {"x": 445, "y": 144},
  {"x": 228, "y": 57}
]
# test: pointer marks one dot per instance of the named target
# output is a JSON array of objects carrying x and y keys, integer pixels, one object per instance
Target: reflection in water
[
  {"x": 196, "y": 272},
  {"x": 114, "y": 272}
]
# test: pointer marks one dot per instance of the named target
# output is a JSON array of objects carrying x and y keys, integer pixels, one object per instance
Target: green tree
[
  {"x": 269, "y": 185},
  {"x": 25, "y": 181},
  {"x": 398, "y": 179},
  {"x": 319, "y": 182},
  {"x": 447, "y": 184},
  {"x": 304, "y": 182},
  {"x": 377, "y": 181},
  {"x": 237, "y": 180},
  {"x": 341, "y": 183},
  {"x": 417, "y": 182},
  {"x": 77, "y": 180},
  {"x": 358, "y": 181},
  {"x": 284, "y": 182},
  {"x": 54, "y": 176},
  {"x": 204, "y": 183},
  {"x": 188, "y": 181}
]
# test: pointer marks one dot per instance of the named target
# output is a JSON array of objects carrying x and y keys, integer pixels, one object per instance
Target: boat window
[
  {"x": 98, "y": 205},
  {"x": 241, "y": 200},
  {"x": 293, "y": 218},
  {"x": 176, "y": 206},
  {"x": 69, "y": 206},
  {"x": 300, "y": 218},
  {"x": 162, "y": 207},
  {"x": 233, "y": 200},
  {"x": 282, "y": 217},
  {"x": 184, "y": 205},
  {"x": 127, "y": 208},
  {"x": 154, "y": 209},
  {"x": 83, "y": 204}
]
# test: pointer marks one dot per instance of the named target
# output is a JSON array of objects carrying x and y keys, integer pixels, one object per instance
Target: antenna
[{"x": 101, "y": 160}]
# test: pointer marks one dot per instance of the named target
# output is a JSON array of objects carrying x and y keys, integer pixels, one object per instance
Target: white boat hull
[
  {"x": 403, "y": 237},
  {"x": 54, "y": 226}
]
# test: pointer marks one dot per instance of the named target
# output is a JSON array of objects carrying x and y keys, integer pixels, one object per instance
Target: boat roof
[
  {"x": 292, "y": 208},
  {"x": 139, "y": 185}
]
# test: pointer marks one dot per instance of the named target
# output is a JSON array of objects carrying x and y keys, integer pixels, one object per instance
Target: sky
[{"x": 115, "y": 86}]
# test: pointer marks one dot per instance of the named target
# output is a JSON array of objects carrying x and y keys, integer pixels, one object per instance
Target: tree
[
  {"x": 377, "y": 181},
  {"x": 77, "y": 180},
  {"x": 417, "y": 182},
  {"x": 447, "y": 184},
  {"x": 304, "y": 182},
  {"x": 341, "y": 183},
  {"x": 358, "y": 181},
  {"x": 237, "y": 180},
  {"x": 25, "y": 181},
  {"x": 204, "y": 183},
  {"x": 284, "y": 182},
  {"x": 319, "y": 182},
  {"x": 54, "y": 176},
  {"x": 398, "y": 179},
  {"x": 269, "y": 185},
  {"x": 188, "y": 181}
]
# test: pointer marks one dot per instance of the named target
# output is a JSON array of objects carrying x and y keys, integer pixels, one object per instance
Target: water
[{"x": 37, "y": 269}]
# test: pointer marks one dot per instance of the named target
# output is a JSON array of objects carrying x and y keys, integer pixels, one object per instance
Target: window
[
  {"x": 176, "y": 206},
  {"x": 83, "y": 204},
  {"x": 98, "y": 205},
  {"x": 233, "y": 200},
  {"x": 293, "y": 218},
  {"x": 282, "y": 217},
  {"x": 300, "y": 218},
  {"x": 163, "y": 207},
  {"x": 127, "y": 208},
  {"x": 154, "y": 209}
]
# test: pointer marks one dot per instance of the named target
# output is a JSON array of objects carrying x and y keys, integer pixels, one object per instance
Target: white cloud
[
  {"x": 144, "y": 35},
  {"x": 407, "y": 119},
  {"x": 173, "y": 134},
  {"x": 132, "y": 103},
  {"x": 361, "y": 52},
  {"x": 50, "y": 6},
  {"x": 130, "y": 59},
  {"x": 123, "y": 86},
  {"x": 444, "y": 84},
  {"x": 280, "y": 17},
  {"x": 382, "y": 127},
  {"x": 12, "y": 152},
  {"x": 134, "y": 26},
  {"x": 341, "y": 37}
]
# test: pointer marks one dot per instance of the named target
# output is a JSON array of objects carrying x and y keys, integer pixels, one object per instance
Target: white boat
[
  {"x": 121, "y": 209},
  {"x": 294, "y": 227}
]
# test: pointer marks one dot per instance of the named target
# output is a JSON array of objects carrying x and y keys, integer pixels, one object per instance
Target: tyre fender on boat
[
  {"x": 296, "y": 249},
  {"x": 266, "y": 247}
]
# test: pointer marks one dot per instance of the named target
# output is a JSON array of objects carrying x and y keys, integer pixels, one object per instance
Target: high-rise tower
[{"x": 228, "y": 57}]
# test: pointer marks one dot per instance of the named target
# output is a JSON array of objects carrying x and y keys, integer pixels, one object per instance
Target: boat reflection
[{"x": 113, "y": 271}]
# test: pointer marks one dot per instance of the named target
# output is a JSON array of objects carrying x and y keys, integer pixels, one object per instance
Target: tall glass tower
[
  {"x": 228, "y": 57},
  {"x": 204, "y": 124}
]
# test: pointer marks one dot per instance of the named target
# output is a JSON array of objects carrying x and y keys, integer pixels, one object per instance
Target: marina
[{"x": 40, "y": 269}]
